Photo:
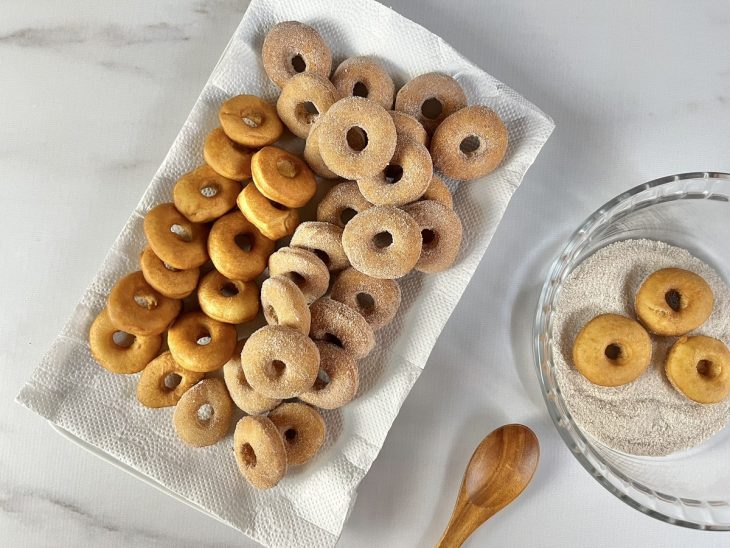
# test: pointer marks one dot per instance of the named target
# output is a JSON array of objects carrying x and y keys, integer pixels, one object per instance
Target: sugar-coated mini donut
[
  {"x": 169, "y": 281},
  {"x": 280, "y": 362},
  {"x": 611, "y": 350},
  {"x": 283, "y": 177},
  {"x": 237, "y": 248},
  {"x": 302, "y": 267},
  {"x": 469, "y": 144},
  {"x": 324, "y": 240},
  {"x": 303, "y": 99},
  {"x": 245, "y": 397},
  {"x": 202, "y": 195},
  {"x": 292, "y": 47},
  {"x": 174, "y": 239},
  {"x": 284, "y": 304},
  {"x": 312, "y": 155},
  {"x": 342, "y": 203},
  {"x": 250, "y": 121},
  {"x": 187, "y": 341},
  {"x": 302, "y": 429},
  {"x": 335, "y": 322},
  {"x": 407, "y": 126},
  {"x": 430, "y": 98},
  {"x": 163, "y": 382},
  {"x": 440, "y": 234},
  {"x": 439, "y": 192},
  {"x": 125, "y": 355},
  {"x": 356, "y": 137},
  {"x": 272, "y": 219},
  {"x": 203, "y": 415},
  {"x": 226, "y": 156},
  {"x": 136, "y": 308},
  {"x": 674, "y": 302},
  {"x": 382, "y": 242},
  {"x": 376, "y": 300},
  {"x": 260, "y": 451},
  {"x": 699, "y": 368},
  {"x": 338, "y": 385},
  {"x": 364, "y": 77},
  {"x": 226, "y": 300}
]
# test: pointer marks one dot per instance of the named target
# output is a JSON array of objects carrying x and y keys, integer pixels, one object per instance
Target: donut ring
[
  {"x": 135, "y": 307},
  {"x": 280, "y": 362},
  {"x": 356, "y": 138},
  {"x": 283, "y": 177},
  {"x": 120, "y": 358},
  {"x": 191, "y": 327},
  {"x": 612, "y": 350},
  {"x": 674, "y": 302},
  {"x": 407, "y": 126},
  {"x": 382, "y": 242},
  {"x": 302, "y": 267},
  {"x": 375, "y": 299},
  {"x": 203, "y": 415},
  {"x": 167, "y": 280},
  {"x": 174, "y": 239},
  {"x": 439, "y": 192},
  {"x": 342, "y": 378},
  {"x": 292, "y": 47},
  {"x": 335, "y": 322},
  {"x": 699, "y": 368},
  {"x": 163, "y": 382},
  {"x": 228, "y": 301},
  {"x": 342, "y": 203},
  {"x": 273, "y": 220},
  {"x": 202, "y": 195},
  {"x": 302, "y": 428},
  {"x": 440, "y": 235},
  {"x": 284, "y": 304},
  {"x": 469, "y": 144},
  {"x": 250, "y": 121},
  {"x": 312, "y": 155},
  {"x": 304, "y": 97},
  {"x": 238, "y": 262},
  {"x": 260, "y": 452},
  {"x": 245, "y": 397},
  {"x": 430, "y": 98},
  {"x": 226, "y": 156},
  {"x": 324, "y": 240},
  {"x": 364, "y": 77}
]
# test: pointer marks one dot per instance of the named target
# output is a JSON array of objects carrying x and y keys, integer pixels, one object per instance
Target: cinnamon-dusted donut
[
  {"x": 323, "y": 239},
  {"x": 169, "y": 281},
  {"x": 303, "y": 99},
  {"x": 338, "y": 379},
  {"x": 135, "y": 307},
  {"x": 250, "y": 121},
  {"x": 699, "y": 368},
  {"x": 364, "y": 77},
  {"x": 407, "y": 126},
  {"x": 163, "y": 382},
  {"x": 302, "y": 429},
  {"x": 283, "y": 177},
  {"x": 245, "y": 397},
  {"x": 312, "y": 155},
  {"x": 335, "y": 322},
  {"x": 302, "y": 267},
  {"x": 376, "y": 300},
  {"x": 342, "y": 203},
  {"x": 226, "y": 300},
  {"x": 174, "y": 239},
  {"x": 439, "y": 192},
  {"x": 200, "y": 343},
  {"x": 285, "y": 304},
  {"x": 118, "y": 353},
  {"x": 237, "y": 248},
  {"x": 260, "y": 452},
  {"x": 292, "y": 47},
  {"x": 203, "y": 415},
  {"x": 226, "y": 156},
  {"x": 430, "y": 98},
  {"x": 440, "y": 234},
  {"x": 202, "y": 195},
  {"x": 272, "y": 219}
]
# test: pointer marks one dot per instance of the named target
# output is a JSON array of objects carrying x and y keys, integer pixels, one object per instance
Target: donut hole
[
  {"x": 244, "y": 241},
  {"x": 298, "y": 63},
  {"x": 290, "y": 434},
  {"x": 248, "y": 455},
  {"x": 145, "y": 299},
  {"x": 203, "y": 338},
  {"x": 365, "y": 302},
  {"x": 209, "y": 190},
  {"x": 322, "y": 255},
  {"x": 333, "y": 339},
  {"x": 432, "y": 108},
  {"x": 393, "y": 173},
  {"x": 382, "y": 240},
  {"x": 709, "y": 369},
  {"x": 357, "y": 138},
  {"x": 277, "y": 205},
  {"x": 470, "y": 145},
  {"x": 271, "y": 314},
  {"x": 205, "y": 412},
  {"x": 170, "y": 267},
  {"x": 306, "y": 112},
  {"x": 286, "y": 168},
  {"x": 429, "y": 237},
  {"x": 171, "y": 381},
  {"x": 252, "y": 119},
  {"x": 296, "y": 278},
  {"x": 275, "y": 369},
  {"x": 182, "y": 232},
  {"x": 613, "y": 352},
  {"x": 228, "y": 289},
  {"x": 346, "y": 215},
  {"x": 673, "y": 298},
  {"x": 322, "y": 380},
  {"x": 360, "y": 90},
  {"x": 122, "y": 339}
]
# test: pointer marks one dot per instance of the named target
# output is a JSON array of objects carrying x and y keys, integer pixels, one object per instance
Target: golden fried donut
[
  {"x": 302, "y": 429},
  {"x": 260, "y": 452},
  {"x": 469, "y": 144},
  {"x": 382, "y": 242},
  {"x": 342, "y": 203},
  {"x": 169, "y": 281},
  {"x": 283, "y": 177},
  {"x": 312, "y": 155},
  {"x": 280, "y": 362},
  {"x": 440, "y": 234},
  {"x": 202, "y": 195},
  {"x": 272, "y": 219},
  {"x": 439, "y": 192},
  {"x": 237, "y": 248},
  {"x": 200, "y": 343},
  {"x": 135, "y": 307},
  {"x": 302, "y": 267},
  {"x": 303, "y": 99},
  {"x": 117, "y": 353},
  {"x": 376, "y": 300},
  {"x": 292, "y": 47},
  {"x": 250, "y": 121},
  {"x": 674, "y": 302},
  {"x": 364, "y": 77},
  {"x": 203, "y": 415},
  {"x": 245, "y": 397},
  {"x": 284, "y": 304},
  {"x": 338, "y": 379},
  {"x": 335, "y": 322},
  {"x": 324, "y": 240},
  {"x": 174, "y": 239},
  {"x": 226, "y": 156},
  {"x": 163, "y": 382},
  {"x": 407, "y": 126},
  {"x": 430, "y": 98},
  {"x": 699, "y": 367},
  {"x": 228, "y": 301},
  {"x": 612, "y": 350}
]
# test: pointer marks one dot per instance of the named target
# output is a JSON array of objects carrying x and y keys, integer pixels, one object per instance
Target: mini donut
[
  {"x": 356, "y": 138},
  {"x": 304, "y": 97},
  {"x": 245, "y": 397},
  {"x": 439, "y": 192},
  {"x": 228, "y": 301},
  {"x": 407, "y": 126},
  {"x": 335, "y": 322},
  {"x": 404, "y": 179},
  {"x": 364, "y": 77},
  {"x": 699, "y": 368},
  {"x": 163, "y": 382},
  {"x": 302, "y": 429},
  {"x": 302, "y": 267},
  {"x": 342, "y": 203},
  {"x": 237, "y": 248},
  {"x": 338, "y": 380},
  {"x": 375, "y": 299},
  {"x": 440, "y": 234},
  {"x": 284, "y": 304},
  {"x": 674, "y": 302},
  {"x": 280, "y": 362},
  {"x": 612, "y": 350},
  {"x": 226, "y": 156},
  {"x": 250, "y": 121},
  {"x": 260, "y": 452},
  {"x": 135, "y": 307},
  {"x": 430, "y": 98},
  {"x": 273, "y": 220},
  {"x": 202, "y": 195},
  {"x": 292, "y": 47},
  {"x": 283, "y": 177},
  {"x": 116, "y": 355},
  {"x": 324, "y": 240},
  {"x": 184, "y": 338},
  {"x": 203, "y": 415},
  {"x": 174, "y": 239},
  {"x": 382, "y": 242},
  {"x": 469, "y": 144},
  {"x": 167, "y": 280},
  {"x": 312, "y": 155}
]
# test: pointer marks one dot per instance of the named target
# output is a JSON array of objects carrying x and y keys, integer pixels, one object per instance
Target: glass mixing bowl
[{"x": 690, "y": 210}]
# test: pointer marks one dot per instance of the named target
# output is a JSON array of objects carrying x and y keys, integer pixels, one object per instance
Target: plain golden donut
[
  {"x": 273, "y": 220},
  {"x": 245, "y": 397},
  {"x": 226, "y": 156},
  {"x": 226, "y": 300},
  {"x": 341, "y": 203},
  {"x": 200, "y": 343},
  {"x": 174, "y": 239},
  {"x": 167, "y": 280},
  {"x": 304, "y": 97},
  {"x": 335, "y": 322},
  {"x": 285, "y": 304},
  {"x": 312, "y": 155},
  {"x": 376, "y": 300},
  {"x": 283, "y": 177},
  {"x": 302, "y": 267},
  {"x": 260, "y": 451},
  {"x": 699, "y": 368},
  {"x": 407, "y": 126},
  {"x": 364, "y": 77},
  {"x": 338, "y": 380},
  {"x": 430, "y": 98},
  {"x": 439, "y": 192},
  {"x": 250, "y": 121},
  {"x": 237, "y": 248},
  {"x": 203, "y": 415},
  {"x": 202, "y": 195},
  {"x": 117, "y": 353},
  {"x": 163, "y": 382},
  {"x": 302, "y": 429},
  {"x": 136, "y": 308},
  {"x": 292, "y": 47},
  {"x": 324, "y": 240},
  {"x": 441, "y": 234}
]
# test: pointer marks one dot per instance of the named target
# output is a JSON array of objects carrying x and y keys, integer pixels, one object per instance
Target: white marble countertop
[{"x": 92, "y": 94}]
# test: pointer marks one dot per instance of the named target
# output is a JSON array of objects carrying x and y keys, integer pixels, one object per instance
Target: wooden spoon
[{"x": 499, "y": 470}]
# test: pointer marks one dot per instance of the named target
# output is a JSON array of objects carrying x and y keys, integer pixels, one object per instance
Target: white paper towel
[{"x": 310, "y": 505}]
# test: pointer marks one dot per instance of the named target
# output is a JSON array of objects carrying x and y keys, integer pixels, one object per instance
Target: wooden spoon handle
[{"x": 464, "y": 521}]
